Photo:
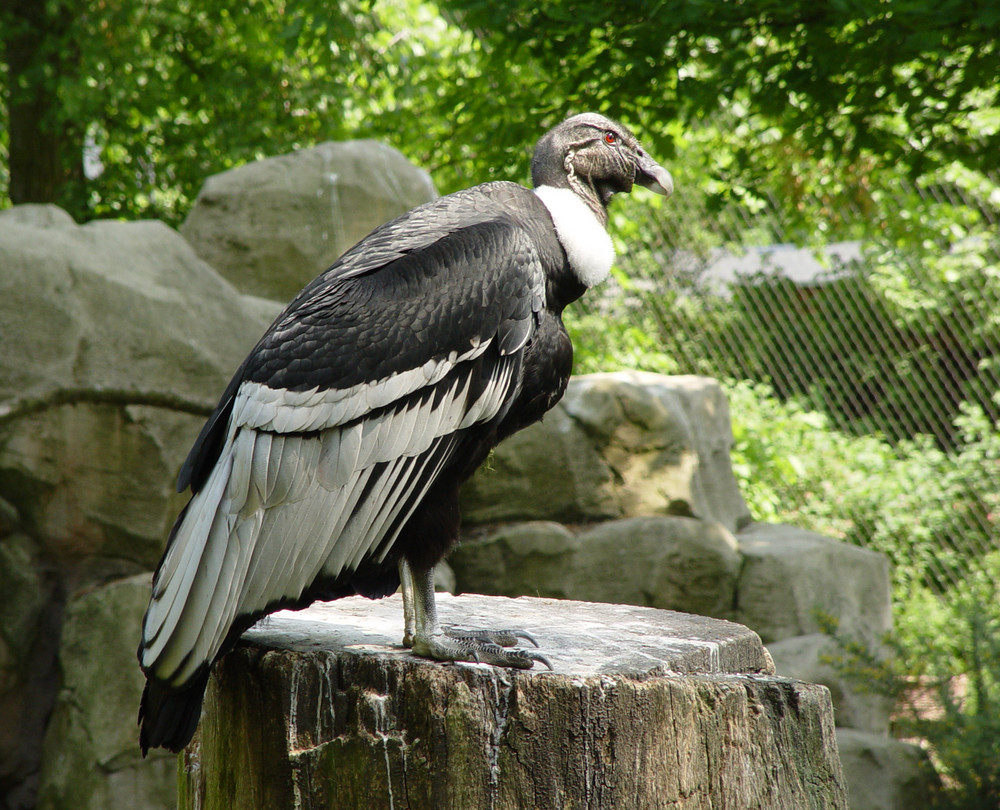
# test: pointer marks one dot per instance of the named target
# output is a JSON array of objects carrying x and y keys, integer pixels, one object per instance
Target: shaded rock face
[
  {"x": 30, "y": 615},
  {"x": 273, "y": 225},
  {"x": 665, "y": 562},
  {"x": 813, "y": 658},
  {"x": 626, "y": 444},
  {"x": 625, "y": 492},
  {"x": 883, "y": 773},
  {"x": 780, "y": 581},
  {"x": 91, "y": 759},
  {"x": 116, "y": 342},
  {"x": 115, "y": 305},
  {"x": 793, "y": 578}
]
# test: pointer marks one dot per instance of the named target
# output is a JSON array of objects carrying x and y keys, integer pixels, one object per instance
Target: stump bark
[{"x": 646, "y": 708}]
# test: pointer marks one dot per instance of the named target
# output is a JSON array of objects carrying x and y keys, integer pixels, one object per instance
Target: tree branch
[{"x": 20, "y": 407}]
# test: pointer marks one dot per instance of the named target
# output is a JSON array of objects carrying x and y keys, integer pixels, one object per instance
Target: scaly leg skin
[
  {"x": 409, "y": 614},
  {"x": 425, "y": 637}
]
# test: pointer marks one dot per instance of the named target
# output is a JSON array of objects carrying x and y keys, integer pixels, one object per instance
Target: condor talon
[{"x": 502, "y": 638}]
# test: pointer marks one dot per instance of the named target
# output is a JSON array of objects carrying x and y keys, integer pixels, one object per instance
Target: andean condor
[{"x": 332, "y": 463}]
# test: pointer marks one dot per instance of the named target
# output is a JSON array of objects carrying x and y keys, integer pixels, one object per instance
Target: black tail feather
[{"x": 168, "y": 717}]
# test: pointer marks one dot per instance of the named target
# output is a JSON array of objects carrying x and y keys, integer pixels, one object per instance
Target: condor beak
[{"x": 650, "y": 174}]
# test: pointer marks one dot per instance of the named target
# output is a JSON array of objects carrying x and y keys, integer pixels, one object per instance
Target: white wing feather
[{"x": 279, "y": 508}]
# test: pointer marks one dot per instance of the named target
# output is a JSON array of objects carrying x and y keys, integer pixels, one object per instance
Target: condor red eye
[{"x": 610, "y": 138}]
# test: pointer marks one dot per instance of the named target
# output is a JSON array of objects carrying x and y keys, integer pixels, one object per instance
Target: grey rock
[
  {"x": 670, "y": 445},
  {"x": 444, "y": 578},
  {"x": 625, "y": 444},
  {"x": 813, "y": 659},
  {"x": 885, "y": 774},
  {"x": 29, "y": 622},
  {"x": 117, "y": 341},
  {"x": 550, "y": 471},
  {"x": 114, "y": 304},
  {"x": 271, "y": 226},
  {"x": 793, "y": 580},
  {"x": 91, "y": 754},
  {"x": 39, "y": 215},
  {"x": 666, "y": 562},
  {"x": 516, "y": 560},
  {"x": 24, "y": 599}
]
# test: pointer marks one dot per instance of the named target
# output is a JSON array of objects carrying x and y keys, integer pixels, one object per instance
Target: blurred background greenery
[{"x": 857, "y": 139}]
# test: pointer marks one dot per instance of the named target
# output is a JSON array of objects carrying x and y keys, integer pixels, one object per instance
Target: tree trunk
[
  {"x": 645, "y": 709},
  {"x": 45, "y": 154}
]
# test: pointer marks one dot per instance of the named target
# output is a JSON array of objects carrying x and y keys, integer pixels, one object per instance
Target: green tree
[
  {"x": 756, "y": 97},
  {"x": 163, "y": 94},
  {"x": 160, "y": 95},
  {"x": 875, "y": 79},
  {"x": 38, "y": 54}
]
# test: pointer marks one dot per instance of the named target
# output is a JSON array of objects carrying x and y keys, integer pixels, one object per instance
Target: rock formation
[
  {"x": 116, "y": 340},
  {"x": 270, "y": 226}
]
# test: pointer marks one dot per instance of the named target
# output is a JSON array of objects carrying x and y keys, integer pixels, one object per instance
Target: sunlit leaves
[
  {"x": 784, "y": 99},
  {"x": 858, "y": 85}
]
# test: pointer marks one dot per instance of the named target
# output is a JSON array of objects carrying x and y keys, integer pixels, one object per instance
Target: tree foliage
[
  {"x": 140, "y": 101},
  {"x": 850, "y": 81},
  {"x": 751, "y": 97},
  {"x": 165, "y": 93}
]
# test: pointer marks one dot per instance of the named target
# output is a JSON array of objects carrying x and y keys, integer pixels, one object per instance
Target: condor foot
[{"x": 495, "y": 647}]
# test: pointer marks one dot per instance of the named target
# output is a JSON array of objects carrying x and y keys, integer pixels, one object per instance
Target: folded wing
[{"x": 333, "y": 431}]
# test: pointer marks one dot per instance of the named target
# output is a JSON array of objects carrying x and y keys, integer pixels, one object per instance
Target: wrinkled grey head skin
[{"x": 596, "y": 157}]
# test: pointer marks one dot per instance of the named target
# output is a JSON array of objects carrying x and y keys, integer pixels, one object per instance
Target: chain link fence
[{"x": 888, "y": 325}]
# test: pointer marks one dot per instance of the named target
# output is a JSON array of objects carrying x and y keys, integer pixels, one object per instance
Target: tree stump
[{"x": 646, "y": 708}]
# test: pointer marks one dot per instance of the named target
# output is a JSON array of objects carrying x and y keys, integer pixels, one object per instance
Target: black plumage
[{"x": 332, "y": 463}]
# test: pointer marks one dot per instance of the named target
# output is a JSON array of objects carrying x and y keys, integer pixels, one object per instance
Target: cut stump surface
[{"x": 646, "y": 708}]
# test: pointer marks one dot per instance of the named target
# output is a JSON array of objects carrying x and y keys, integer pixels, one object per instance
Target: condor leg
[{"x": 424, "y": 635}]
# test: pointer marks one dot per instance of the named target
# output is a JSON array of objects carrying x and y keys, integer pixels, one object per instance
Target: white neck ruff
[{"x": 585, "y": 240}]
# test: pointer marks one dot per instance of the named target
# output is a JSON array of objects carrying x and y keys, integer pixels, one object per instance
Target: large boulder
[
  {"x": 91, "y": 751},
  {"x": 665, "y": 562},
  {"x": 115, "y": 305},
  {"x": 626, "y": 444},
  {"x": 271, "y": 226},
  {"x": 780, "y": 581},
  {"x": 795, "y": 582},
  {"x": 117, "y": 341}
]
